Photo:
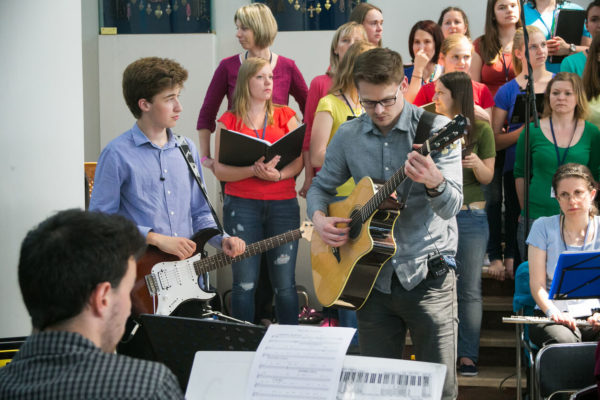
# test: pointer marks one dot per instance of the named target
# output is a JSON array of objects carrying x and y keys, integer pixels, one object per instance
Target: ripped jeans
[{"x": 255, "y": 220}]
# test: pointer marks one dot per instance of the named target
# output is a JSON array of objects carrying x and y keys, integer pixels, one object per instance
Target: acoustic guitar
[
  {"x": 344, "y": 276},
  {"x": 164, "y": 282}
]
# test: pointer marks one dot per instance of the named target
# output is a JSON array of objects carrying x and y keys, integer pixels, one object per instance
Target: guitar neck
[
  {"x": 221, "y": 259},
  {"x": 388, "y": 188}
]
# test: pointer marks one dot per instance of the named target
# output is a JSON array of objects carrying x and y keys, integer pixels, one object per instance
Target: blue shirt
[
  {"x": 151, "y": 186},
  {"x": 545, "y": 235},
  {"x": 427, "y": 224},
  {"x": 533, "y": 17}
]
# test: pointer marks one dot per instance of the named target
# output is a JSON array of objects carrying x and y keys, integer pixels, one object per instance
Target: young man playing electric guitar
[
  {"x": 412, "y": 291},
  {"x": 142, "y": 174}
]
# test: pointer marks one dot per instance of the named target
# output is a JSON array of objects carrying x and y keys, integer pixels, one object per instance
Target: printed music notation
[
  {"x": 220, "y": 375},
  {"x": 291, "y": 356}
]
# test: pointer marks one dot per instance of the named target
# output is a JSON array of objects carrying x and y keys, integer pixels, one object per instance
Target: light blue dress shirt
[{"x": 152, "y": 186}]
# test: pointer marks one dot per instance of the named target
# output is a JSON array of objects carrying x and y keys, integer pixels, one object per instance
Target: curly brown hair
[{"x": 146, "y": 77}]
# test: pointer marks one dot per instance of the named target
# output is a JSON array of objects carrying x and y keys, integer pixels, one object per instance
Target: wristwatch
[
  {"x": 572, "y": 48},
  {"x": 436, "y": 191}
]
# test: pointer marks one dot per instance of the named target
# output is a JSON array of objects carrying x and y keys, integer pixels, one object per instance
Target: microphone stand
[{"x": 530, "y": 114}]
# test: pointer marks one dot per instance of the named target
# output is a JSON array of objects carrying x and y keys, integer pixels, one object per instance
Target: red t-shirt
[
  {"x": 496, "y": 74},
  {"x": 481, "y": 95},
  {"x": 255, "y": 188},
  {"x": 319, "y": 87}
]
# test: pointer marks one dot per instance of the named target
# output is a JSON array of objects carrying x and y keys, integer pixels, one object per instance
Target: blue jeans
[
  {"x": 473, "y": 235},
  {"x": 428, "y": 311},
  {"x": 252, "y": 221}
]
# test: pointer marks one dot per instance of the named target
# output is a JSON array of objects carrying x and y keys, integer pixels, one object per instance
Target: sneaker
[{"x": 468, "y": 370}]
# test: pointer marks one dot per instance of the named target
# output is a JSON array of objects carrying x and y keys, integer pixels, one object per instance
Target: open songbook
[{"x": 241, "y": 150}]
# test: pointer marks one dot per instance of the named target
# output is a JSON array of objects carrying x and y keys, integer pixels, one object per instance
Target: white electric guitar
[{"x": 164, "y": 282}]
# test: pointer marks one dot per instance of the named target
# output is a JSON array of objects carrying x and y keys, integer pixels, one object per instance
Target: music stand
[
  {"x": 175, "y": 340},
  {"x": 577, "y": 276}
]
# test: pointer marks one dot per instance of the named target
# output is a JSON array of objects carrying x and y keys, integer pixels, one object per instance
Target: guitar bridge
[
  {"x": 336, "y": 253},
  {"x": 151, "y": 284}
]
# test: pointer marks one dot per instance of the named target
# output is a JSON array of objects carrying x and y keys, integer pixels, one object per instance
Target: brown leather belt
[{"x": 476, "y": 205}]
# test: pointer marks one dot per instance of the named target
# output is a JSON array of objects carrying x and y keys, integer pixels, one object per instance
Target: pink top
[
  {"x": 255, "y": 188},
  {"x": 498, "y": 73},
  {"x": 319, "y": 87},
  {"x": 287, "y": 80},
  {"x": 481, "y": 95}
]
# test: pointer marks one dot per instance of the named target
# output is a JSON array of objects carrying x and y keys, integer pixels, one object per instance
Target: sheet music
[
  {"x": 578, "y": 308},
  {"x": 365, "y": 378},
  {"x": 298, "y": 362},
  {"x": 218, "y": 375}
]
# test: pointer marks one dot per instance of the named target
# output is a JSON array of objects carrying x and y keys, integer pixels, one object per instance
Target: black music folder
[
  {"x": 568, "y": 24},
  {"x": 241, "y": 150},
  {"x": 518, "y": 115}
]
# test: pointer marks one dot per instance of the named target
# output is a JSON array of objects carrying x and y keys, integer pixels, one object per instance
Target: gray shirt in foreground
[{"x": 426, "y": 224}]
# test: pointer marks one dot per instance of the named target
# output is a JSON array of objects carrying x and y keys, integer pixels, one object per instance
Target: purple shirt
[{"x": 287, "y": 80}]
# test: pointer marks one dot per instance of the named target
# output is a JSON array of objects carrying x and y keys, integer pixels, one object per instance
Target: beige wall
[{"x": 41, "y": 165}]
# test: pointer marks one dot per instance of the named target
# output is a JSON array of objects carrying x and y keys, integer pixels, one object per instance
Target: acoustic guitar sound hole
[{"x": 355, "y": 225}]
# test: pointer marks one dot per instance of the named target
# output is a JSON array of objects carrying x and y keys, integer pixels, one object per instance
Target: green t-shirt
[
  {"x": 544, "y": 164},
  {"x": 484, "y": 148},
  {"x": 575, "y": 63}
]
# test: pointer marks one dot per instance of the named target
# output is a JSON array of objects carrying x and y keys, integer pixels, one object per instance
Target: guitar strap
[
  {"x": 189, "y": 158},
  {"x": 423, "y": 132},
  {"x": 424, "y": 127}
]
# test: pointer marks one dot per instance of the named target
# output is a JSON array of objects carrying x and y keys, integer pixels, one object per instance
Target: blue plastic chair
[{"x": 523, "y": 304}]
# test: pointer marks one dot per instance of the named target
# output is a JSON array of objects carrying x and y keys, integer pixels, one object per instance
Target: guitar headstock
[
  {"x": 451, "y": 132},
  {"x": 307, "y": 230}
]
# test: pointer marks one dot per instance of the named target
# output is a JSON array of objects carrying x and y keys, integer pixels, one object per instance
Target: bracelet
[
  {"x": 415, "y": 76},
  {"x": 553, "y": 310},
  {"x": 279, "y": 176},
  {"x": 203, "y": 158}
]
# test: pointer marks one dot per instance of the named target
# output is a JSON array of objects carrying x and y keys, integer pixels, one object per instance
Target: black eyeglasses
[{"x": 390, "y": 101}]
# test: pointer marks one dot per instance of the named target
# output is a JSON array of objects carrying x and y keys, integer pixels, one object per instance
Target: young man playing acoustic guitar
[
  {"x": 142, "y": 174},
  {"x": 406, "y": 295}
]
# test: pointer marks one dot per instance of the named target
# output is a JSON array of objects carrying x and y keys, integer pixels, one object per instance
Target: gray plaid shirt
[{"x": 65, "y": 365}]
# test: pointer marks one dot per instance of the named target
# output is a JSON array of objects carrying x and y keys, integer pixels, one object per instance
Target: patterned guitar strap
[{"x": 189, "y": 158}]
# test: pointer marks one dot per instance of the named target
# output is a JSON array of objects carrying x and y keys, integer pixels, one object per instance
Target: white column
[{"x": 41, "y": 165}]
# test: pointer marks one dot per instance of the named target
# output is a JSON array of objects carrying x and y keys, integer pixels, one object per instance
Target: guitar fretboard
[
  {"x": 449, "y": 133},
  {"x": 386, "y": 190},
  {"x": 221, "y": 259}
]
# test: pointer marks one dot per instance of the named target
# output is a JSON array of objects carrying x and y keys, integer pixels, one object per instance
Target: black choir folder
[
  {"x": 568, "y": 24},
  {"x": 241, "y": 150}
]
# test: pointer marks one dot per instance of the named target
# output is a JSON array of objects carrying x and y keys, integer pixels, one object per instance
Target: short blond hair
[
  {"x": 259, "y": 19},
  {"x": 343, "y": 31}
]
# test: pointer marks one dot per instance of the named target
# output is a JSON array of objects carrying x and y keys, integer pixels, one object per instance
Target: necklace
[
  {"x": 270, "y": 56},
  {"x": 575, "y": 240},
  {"x": 264, "y": 127}
]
